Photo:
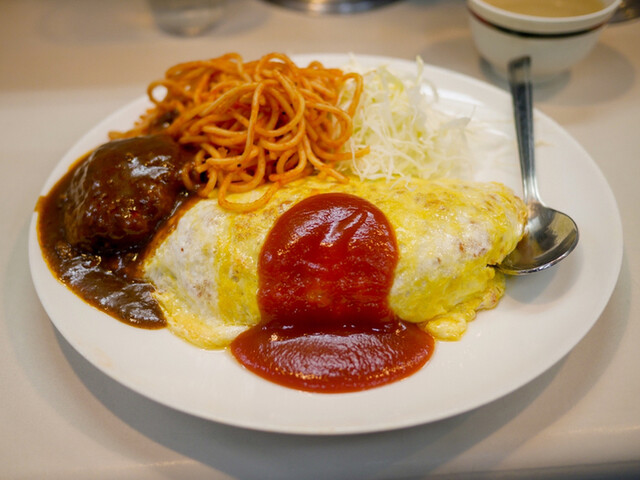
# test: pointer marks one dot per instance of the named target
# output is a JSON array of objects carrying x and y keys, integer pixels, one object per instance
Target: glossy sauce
[
  {"x": 96, "y": 222},
  {"x": 325, "y": 271}
]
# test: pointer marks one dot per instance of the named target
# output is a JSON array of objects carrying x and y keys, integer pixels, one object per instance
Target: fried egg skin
[{"x": 448, "y": 233}]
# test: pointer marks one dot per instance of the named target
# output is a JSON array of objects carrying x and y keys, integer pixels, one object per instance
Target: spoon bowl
[{"x": 549, "y": 235}]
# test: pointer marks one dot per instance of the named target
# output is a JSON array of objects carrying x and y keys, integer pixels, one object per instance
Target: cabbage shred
[{"x": 406, "y": 133}]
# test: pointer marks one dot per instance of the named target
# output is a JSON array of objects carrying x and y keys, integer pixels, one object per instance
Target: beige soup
[{"x": 549, "y": 8}]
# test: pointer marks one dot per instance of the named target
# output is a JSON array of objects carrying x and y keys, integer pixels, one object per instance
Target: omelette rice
[{"x": 448, "y": 232}]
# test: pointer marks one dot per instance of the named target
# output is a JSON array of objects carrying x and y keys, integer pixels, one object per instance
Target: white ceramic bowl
[{"x": 554, "y": 44}]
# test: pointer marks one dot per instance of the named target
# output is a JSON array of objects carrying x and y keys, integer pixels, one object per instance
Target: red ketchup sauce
[{"x": 325, "y": 271}]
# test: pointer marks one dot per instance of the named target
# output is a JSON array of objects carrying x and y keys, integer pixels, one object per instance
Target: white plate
[{"x": 541, "y": 318}]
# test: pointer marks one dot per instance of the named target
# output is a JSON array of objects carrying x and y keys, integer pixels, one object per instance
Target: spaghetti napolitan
[{"x": 265, "y": 121}]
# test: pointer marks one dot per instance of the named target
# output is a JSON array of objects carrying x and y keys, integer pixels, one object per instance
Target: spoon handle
[{"x": 521, "y": 92}]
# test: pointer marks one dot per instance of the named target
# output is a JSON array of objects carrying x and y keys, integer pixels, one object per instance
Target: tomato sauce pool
[{"x": 325, "y": 272}]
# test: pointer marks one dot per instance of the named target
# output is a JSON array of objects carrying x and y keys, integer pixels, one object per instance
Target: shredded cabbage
[{"x": 407, "y": 135}]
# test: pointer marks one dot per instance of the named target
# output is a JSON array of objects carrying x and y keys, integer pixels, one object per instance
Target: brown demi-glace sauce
[{"x": 96, "y": 222}]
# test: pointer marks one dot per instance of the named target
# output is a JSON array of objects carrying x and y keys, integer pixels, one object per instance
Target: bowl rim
[{"x": 537, "y": 24}]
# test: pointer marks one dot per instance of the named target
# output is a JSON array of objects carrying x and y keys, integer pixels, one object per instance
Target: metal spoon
[{"x": 549, "y": 235}]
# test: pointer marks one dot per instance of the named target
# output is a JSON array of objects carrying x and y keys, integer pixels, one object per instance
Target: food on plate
[
  {"x": 406, "y": 134},
  {"x": 254, "y": 122},
  {"x": 449, "y": 232},
  {"x": 118, "y": 196},
  {"x": 231, "y": 126},
  {"x": 324, "y": 274},
  {"x": 97, "y": 220},
  {"x": 297, "y": 215}
]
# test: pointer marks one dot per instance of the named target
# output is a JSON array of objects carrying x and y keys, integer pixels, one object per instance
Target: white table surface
[{"x": 66, "y": 64}]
